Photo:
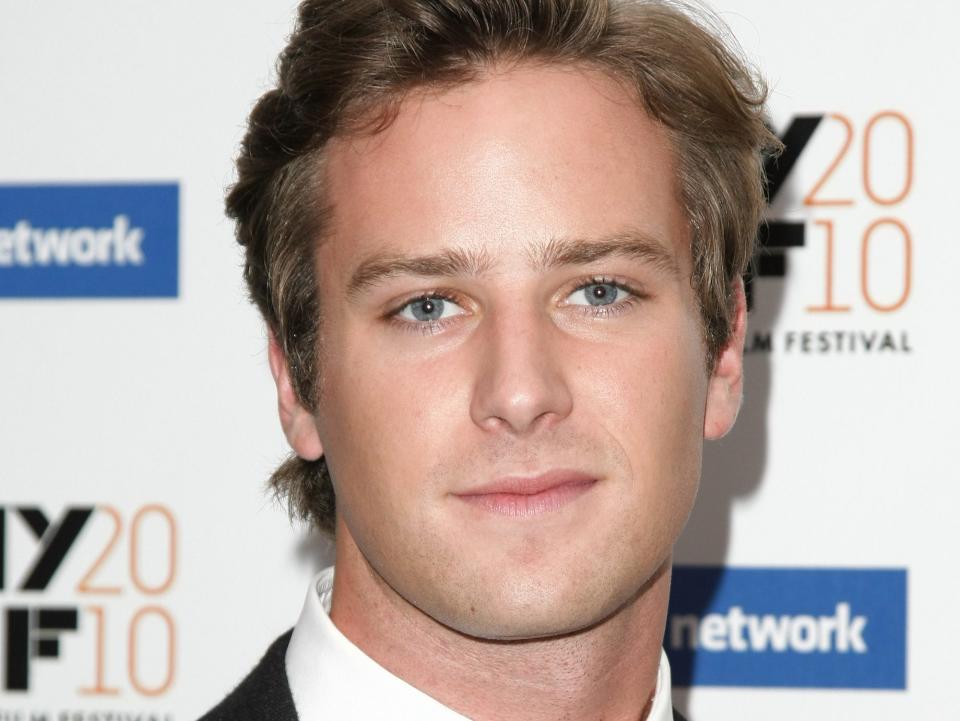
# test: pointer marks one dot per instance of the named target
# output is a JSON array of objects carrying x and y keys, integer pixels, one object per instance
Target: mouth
[{"x": 523, "y": 496}]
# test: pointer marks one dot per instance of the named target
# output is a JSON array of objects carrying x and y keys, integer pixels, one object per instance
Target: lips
[{"x": 529, "y": 495}]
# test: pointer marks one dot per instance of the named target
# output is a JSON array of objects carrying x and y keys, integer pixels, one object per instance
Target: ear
[
  {"x": 725, "y": 389},
  {"x": 297, "y": 422}
]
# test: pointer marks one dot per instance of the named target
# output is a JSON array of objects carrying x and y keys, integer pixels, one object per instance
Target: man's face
[{"x": 513, "y": 385}]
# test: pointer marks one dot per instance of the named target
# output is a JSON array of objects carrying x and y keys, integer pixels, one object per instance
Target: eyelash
[
  {"x": 433, "y": 327},
  {"x": 634, "y": 295}
]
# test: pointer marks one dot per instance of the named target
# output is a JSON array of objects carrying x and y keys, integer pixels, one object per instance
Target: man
[{"x": 499, "y": 246}]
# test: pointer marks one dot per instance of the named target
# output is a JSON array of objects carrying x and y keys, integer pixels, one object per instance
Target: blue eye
[
  {"x": 597, "y": 294},
  {"x": 429, "y": 308}
]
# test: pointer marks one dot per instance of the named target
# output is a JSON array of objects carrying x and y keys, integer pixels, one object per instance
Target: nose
[{"x": 520, "y": 384}]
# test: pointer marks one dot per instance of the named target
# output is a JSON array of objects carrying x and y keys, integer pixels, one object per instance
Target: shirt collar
[{"x": 331, "y": 678}]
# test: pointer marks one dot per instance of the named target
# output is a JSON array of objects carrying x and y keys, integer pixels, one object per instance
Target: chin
[{"x": 525, "y": 608}]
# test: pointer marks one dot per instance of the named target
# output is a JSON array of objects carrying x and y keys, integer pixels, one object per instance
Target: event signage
[
  {"x": 808, "y": 628},
  {"x": 840, "y": 195},
  {"x": 89, "y": 240},
  {"x": 75, "y": 576}
]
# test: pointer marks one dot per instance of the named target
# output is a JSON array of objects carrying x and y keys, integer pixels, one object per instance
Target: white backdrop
[{"x": 160, "y": 413}]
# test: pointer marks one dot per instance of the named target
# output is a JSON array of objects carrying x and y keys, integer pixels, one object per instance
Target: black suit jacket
[{"x": 265, "y": 694}]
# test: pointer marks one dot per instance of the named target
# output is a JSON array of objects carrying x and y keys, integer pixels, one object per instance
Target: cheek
[
  {"x": 656, "y": 417},
  {"x": 383, "y": 423},
  {"x": 650, "y": 398}
]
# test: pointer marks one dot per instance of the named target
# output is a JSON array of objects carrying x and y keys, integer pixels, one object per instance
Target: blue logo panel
[
  {"x": 802, "y": 628},
  {"x": 89, "y": 241}
]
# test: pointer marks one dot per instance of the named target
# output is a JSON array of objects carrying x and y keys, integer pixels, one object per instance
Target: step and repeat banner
[{"x": 143, "y": 568}]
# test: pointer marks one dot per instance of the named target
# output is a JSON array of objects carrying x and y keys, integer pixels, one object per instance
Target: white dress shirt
[{"x": 331, "y": 679}]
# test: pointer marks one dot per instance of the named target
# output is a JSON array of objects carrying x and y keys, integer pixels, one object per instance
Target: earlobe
[
  {"x": 297, "y": 422},
  {"x": 725, "y": 390}
]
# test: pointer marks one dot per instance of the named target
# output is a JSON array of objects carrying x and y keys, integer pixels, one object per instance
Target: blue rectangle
[
  {"x": 89, "y": 240},
  {"x": 799, "y": 628}
]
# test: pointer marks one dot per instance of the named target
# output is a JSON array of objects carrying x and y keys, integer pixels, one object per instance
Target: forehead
[{"x": 520, "y": 156}]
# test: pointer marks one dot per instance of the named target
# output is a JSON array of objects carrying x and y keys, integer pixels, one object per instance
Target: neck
[{"x": 606, "y": 671}]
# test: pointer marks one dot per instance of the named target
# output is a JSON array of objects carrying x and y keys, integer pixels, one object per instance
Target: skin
[{"x": 558, "y": 614}]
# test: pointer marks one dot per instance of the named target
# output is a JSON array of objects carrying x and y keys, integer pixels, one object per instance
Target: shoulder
[{"x": 263, "y": 694}]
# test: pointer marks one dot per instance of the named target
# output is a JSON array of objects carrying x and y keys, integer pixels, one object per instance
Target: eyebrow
[
  {"x": 545, "y": 256},
  {"x": 627, "y": 244},
  {"x": 446, "y": 263}
]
